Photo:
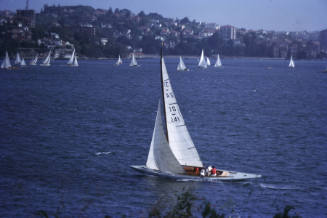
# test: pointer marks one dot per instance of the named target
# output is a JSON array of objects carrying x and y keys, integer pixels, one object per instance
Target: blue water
[{"x": 68, "y": 136}]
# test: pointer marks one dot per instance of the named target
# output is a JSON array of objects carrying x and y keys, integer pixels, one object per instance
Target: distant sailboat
[
  {"x": 119, "y": 61},
  {"x": 47, "y": 60},
  {"x": 6, "y": 62},
  {"x": 202, "y": 62},
  {"x": 291, "y": 64},
  {"x": 218, "y": 62},
  {"x": 208, "y": 62},
  {"x": 71, "y": 59},
  {"x": 133, "y": 61},
  {"x": 172, "y": 153},
  {"x": 75, "y": 63},
  {"x": 18, "y": 59},
  {"x": 181, "y": 66},
  {"x": 34, "y": 61},
  {"x": 23, "y": 63}
]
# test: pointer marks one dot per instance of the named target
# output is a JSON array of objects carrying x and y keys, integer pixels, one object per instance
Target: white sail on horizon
[
  {"x": 18, "y": 59},
  {"x": 218, "y": 62},
  {"x": 23, "y": 63},
  {"x": 208, "y": 62},
  {"x": 71, "y": 59},
  {"x": 202, "y": 62},
  {"x": 34, "y": 61},
  {"x": 6, "y": 62},
  {"x": 119, "y": 61},
  {"x": 133, "y": 61},
  {"x": 47, "y": 60},
  {"x": 181, "y": 66},
  {"x": 179, "y": 139},
  {"x": 291, "y": 64},
  {"x": 75, "y": 64}
]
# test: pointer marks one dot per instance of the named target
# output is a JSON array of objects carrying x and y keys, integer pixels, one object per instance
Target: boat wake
[
  {"x": 278, "y": 187},
  {"x": 103, "y": 153}
]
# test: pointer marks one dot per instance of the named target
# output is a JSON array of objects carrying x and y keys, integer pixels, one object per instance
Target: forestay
[{"x": 179, "y": 138}]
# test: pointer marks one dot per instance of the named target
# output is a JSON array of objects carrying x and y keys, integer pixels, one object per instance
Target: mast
[{"x": 162, "y": 89}]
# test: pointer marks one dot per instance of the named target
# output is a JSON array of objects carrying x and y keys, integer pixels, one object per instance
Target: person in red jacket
[{"x": 213, "y": 171}]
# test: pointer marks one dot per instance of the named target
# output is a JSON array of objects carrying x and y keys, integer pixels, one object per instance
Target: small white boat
[
  {"x": 75, "y": 63},
  {"x": 18, "y": 60},
  {"x": 172, "y": 153},
  {"x": 71, "y": 59},
  {"x": 6, "y": 62},
  {"x": 47, "y": 60},
  {"x": 291, "y": 64},
  {"x": 208, "y": 62},
  {"x": 181, "y": 66},
  {"x": 34, "y": 61},
  {"x": 133, "y": 61},
  {"x": 202, "y": 62},
  {"x": 119, "y": 61},
  {"x": 22, "y": 63},
  {"x": 218, "y": 62}
]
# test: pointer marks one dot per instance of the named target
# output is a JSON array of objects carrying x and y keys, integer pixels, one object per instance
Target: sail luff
[{"x": 163, "y": 93}]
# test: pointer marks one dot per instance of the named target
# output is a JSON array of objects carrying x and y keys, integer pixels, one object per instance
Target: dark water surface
[{"x": 252, "y": 115}]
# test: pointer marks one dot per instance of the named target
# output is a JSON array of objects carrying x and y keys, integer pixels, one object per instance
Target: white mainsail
[
  {"x": 202, "y": 62},
  {"x": 133, "y": 61},
  {"x": 291, "y": 64},
  {"x": 208, "y": 61},
  {"x": 71, "y": 59},
  {"x": 160, "y": 156},
  {"x": 179, "y": 139},
  {"x": 119, "y": 61},
  {"x": 18, "y": 59},
  {"x": 6, "y": 62},
  {"x": 47, "y": 60},
  {"x": 218, "y": 62},
  {"x": 34, "y": 61},
  {"x": 181, "y": 66},
  {"x": 23, "y": 63}
]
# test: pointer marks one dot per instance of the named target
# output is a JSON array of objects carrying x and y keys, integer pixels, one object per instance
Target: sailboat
[
  {"x": 208, "y": 62},
  {"x": 47, "y": 60},
  {"x": 6, "y": 62},
  {"x": 218, "y": 62},
  {"x": 71, "y": 59},
  {"x": 34, "y": 61},
  {"x": 181, "y": 66},
  {"x": 18, "y": 59},
  {"x": 172, "y": 153},
  {"x": 119, "y": 61},
  {"x": 75, "y": 63},
  {"x": 133, "y": 61},
  {"x": 22, "y": 63},
  {"x": 291, "y": 64},
  {"x": 202, "y": 62}
]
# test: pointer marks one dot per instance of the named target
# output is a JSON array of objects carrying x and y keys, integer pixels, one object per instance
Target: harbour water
[{"x": 68, "y": 136}]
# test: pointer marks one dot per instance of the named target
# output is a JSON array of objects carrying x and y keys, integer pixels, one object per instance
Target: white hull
[{"x": 233, "y": 176}]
